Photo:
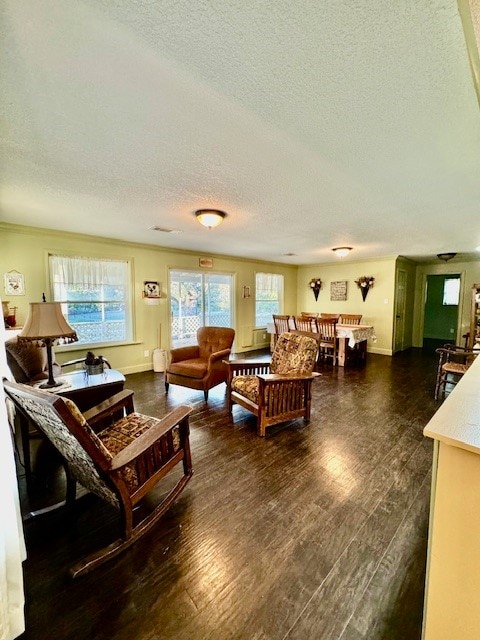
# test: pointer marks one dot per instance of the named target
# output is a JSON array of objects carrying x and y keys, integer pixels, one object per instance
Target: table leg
[{"x": 342, "y": 351}]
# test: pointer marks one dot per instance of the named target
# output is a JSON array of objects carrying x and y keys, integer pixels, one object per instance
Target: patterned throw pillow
[{"x": 27, "y": 360}]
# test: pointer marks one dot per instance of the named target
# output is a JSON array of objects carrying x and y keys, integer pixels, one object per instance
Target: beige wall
[
  {"x": 470, "y": 274},
  {"x": 377, "y": 309},
  {"x": 26, "y": 249}
]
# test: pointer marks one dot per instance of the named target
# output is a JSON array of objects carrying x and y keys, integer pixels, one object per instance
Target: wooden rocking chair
[{"x": 125, "y": 457}]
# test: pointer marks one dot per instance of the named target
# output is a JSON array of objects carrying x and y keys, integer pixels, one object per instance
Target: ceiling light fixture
[
  {"x": 341, "y": 252},
  {"x": 210, "y": 217},
  {"x": 446, "y": 256}
]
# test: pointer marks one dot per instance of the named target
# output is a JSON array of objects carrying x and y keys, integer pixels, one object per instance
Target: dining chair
[
  {"x": 453, "y": 363},
  {"x": 327, "y": 341},
  {"x": 305, "y": 323},
  {"x": 330, "y": 316},
  {"x": 281, "y": 324},
  {"x": 350, "y": 318},
  {"x": 309, "y": 314}
]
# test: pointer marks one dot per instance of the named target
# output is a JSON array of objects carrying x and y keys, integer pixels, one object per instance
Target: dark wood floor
[{"x": 315, "y": 532}]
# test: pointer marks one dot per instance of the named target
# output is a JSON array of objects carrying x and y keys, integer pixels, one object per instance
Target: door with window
[
  {"x": 441, "y": 310},
  {"x": 198, "y": 299}
]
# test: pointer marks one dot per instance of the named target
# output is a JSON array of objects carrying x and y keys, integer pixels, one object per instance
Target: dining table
[{"x": 349, "y": 336}]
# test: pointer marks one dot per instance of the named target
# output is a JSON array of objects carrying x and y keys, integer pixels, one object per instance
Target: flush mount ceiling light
[
  {"x": 341, "y": 252},
  {"x": 446, "y": 256},
  {"x": 210, "y": 217}
]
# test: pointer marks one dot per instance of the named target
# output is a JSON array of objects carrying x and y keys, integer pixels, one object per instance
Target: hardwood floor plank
[{"x": 316, "y": 531}]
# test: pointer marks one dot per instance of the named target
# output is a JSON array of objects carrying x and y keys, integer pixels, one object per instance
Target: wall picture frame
[
  {"x": 14, "y": 283},
  {"x": 151, "y": 289},
  {"x": 338, "y": 290}
]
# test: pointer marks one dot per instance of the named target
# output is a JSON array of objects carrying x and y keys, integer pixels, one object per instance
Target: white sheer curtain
[{"x": 12, "y": 545}]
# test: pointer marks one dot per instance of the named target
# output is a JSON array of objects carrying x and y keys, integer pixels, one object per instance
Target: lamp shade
[{"x": 46, "y": 320}]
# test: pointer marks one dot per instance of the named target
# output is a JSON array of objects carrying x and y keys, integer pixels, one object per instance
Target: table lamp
[{"x": 46, "y": 323}]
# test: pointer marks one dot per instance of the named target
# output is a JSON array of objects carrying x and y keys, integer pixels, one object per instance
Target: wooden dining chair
[
  {"x": 309, "y": 314},
  {"x": 350, "y": 318},
  {"x": 327, "y": 341},
  {"x": 305, "y": 323},
  {"x": 281, "y": 324},
  {"x": 330, "y": 316},
  {"x": 453, "y": 362}
]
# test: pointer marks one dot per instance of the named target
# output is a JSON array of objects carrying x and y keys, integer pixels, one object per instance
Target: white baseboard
[
  {"x": 380, "y": 352},
  {"x": 136, "y": 368}
]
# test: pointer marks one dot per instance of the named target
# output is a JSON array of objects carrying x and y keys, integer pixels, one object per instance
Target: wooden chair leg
[{"x": 167, "y": 384}]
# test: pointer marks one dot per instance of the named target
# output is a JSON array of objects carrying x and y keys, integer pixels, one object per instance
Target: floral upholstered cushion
[
  {"x": 117, "y": 436},
  {"x": 294, "y": 353},
  {"x": 246, "y": 386}
]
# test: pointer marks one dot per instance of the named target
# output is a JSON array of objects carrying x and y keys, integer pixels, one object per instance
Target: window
[
  {"x": 451, "y": 291},
  {"x": 95, "y": 297},
  {"x": 198, "y": 299},
  {"x": 268, "y": 297}
]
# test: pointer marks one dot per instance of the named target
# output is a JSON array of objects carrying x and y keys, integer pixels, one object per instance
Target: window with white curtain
[
  {"x": 95, "y": 297},
  {"x": 268, "y": 297}
]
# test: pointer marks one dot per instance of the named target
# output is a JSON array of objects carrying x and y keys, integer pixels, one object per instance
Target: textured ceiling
[{"x": 312, "y": 125}]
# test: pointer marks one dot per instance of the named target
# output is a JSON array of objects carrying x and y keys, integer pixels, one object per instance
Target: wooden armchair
[
  {"x": 115, "y": 453},
  {"x": 453, "y": 362},
  {"x": 201, "y": 366},
  {"x": 279, "y": 390}
]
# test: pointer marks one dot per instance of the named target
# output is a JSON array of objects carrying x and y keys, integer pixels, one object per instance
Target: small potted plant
[{"x": 93, "y": 364}]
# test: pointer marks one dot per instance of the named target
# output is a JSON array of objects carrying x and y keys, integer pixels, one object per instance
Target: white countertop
[{"x": 457, "y": 421}]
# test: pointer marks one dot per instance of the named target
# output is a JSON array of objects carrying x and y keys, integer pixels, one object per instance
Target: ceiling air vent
[{"x": 164, "y": 229}]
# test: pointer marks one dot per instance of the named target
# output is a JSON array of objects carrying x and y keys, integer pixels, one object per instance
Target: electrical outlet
[{"x": 146, "y": 353}]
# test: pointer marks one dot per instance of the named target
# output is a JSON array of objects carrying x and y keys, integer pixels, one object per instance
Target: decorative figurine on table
[{"x": 93, "y": 364}]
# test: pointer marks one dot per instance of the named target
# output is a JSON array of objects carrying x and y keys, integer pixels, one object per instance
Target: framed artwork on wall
[
  {"x": 151, "y": 289},
  {"x": 338, "y": 290},
  {"x": 14, "y": 283}
]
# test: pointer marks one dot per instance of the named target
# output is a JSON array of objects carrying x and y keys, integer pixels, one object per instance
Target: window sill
[{"x": 64, "y": 348}]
